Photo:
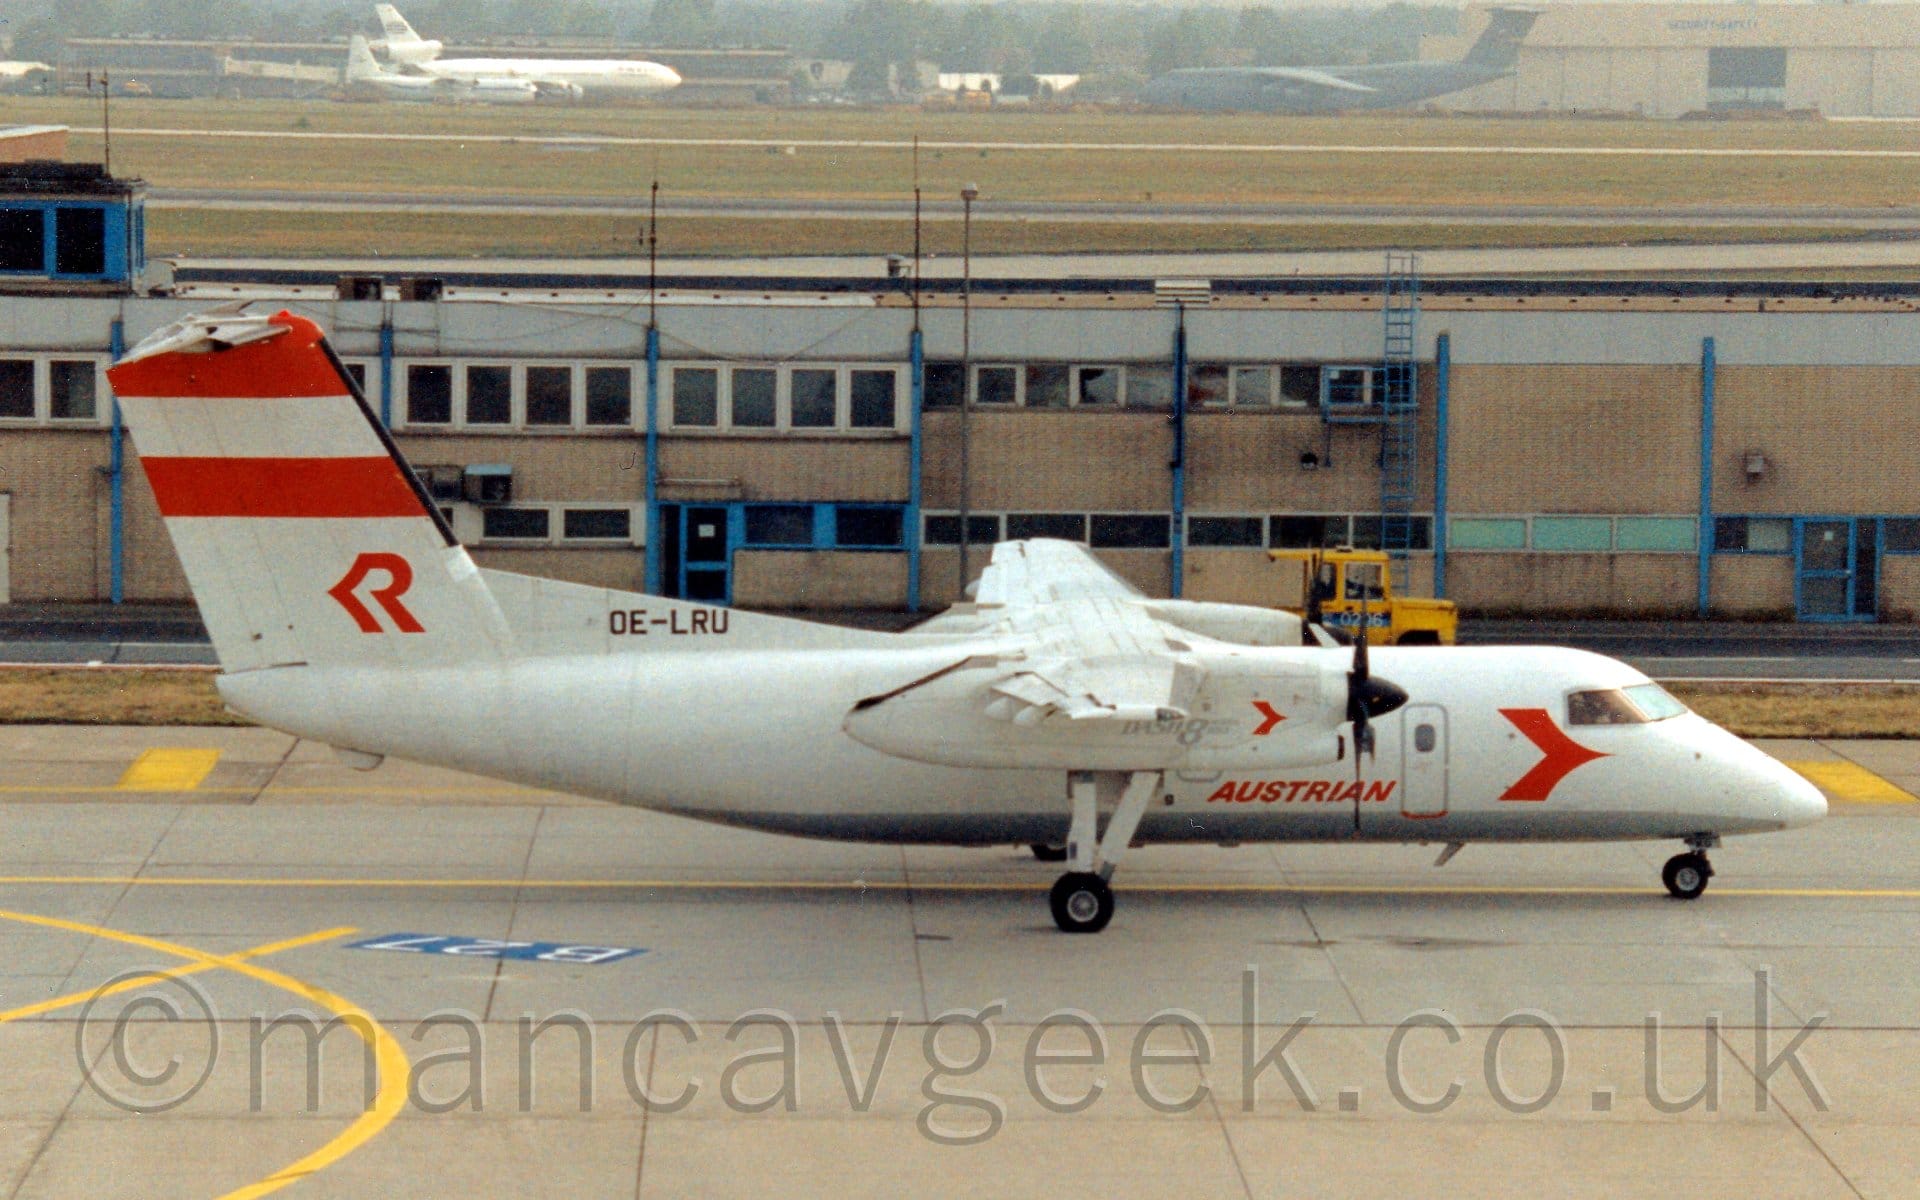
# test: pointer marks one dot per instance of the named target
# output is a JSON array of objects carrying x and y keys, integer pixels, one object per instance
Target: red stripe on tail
[
  {"x": 281, "y": 487},
  {"x": 289, "y": 366}
]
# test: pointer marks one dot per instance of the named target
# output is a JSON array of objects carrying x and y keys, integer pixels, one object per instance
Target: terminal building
[
  {"x": 1634, "y": 449},
  {"x": 1672, "y": 60}
]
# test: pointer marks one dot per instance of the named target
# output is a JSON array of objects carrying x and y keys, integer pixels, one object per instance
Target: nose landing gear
[{"x": 1686, "y": 874}]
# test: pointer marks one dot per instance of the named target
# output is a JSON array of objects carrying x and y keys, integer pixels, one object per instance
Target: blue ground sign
[{"x": 471, "y": 947}]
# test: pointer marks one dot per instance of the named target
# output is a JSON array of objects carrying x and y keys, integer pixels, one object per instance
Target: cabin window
[{"x": 1425, "y": 739}]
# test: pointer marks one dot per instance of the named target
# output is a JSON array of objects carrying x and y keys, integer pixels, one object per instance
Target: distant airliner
[
  {"x": 1330, "y": 89},
  {"x": 367, "y": 80},
  {"x": 558, "y": 78}
]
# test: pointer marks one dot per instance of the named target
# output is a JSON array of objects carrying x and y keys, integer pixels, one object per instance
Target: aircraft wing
[
  {"x": 1045, "y": 571},
  {"x": 1313, "y": 78}
]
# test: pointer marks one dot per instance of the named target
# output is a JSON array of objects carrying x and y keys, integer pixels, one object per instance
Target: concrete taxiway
[{"x": 1480, "y": 1028}]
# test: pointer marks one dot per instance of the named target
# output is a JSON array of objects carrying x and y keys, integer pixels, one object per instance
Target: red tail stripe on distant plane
[
  {"x": 291, "y": 366},
  {"x": 1563, "y": 754},
  {"x": 281, "y": 487}
]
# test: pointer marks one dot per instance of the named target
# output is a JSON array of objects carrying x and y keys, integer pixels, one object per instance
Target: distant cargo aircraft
[
  {"x": 1330, "y": 89},
  {"x": 368, "y": 80},
  {"x": 554, "y": 78}
]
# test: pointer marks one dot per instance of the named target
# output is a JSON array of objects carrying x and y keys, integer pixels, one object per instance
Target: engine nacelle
[
  {"x": 405, "y": 51},
  {"x": 1240, "y": 624}
]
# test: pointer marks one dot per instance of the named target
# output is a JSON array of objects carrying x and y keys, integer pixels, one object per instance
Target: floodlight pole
[{"x": 968, "y": 195}]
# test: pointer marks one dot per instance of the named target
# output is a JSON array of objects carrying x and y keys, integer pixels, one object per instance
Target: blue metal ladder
[{"x": 1398, "y": 395}]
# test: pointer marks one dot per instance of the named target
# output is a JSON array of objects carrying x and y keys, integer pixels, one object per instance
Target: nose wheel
[{"x": 1686, "y": 875}]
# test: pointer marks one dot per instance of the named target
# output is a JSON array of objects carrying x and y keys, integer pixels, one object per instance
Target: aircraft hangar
[{"x": 1672, "y": 60}]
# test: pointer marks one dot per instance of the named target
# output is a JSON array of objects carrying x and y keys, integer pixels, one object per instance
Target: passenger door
[{"x": 1423, "y": 761}]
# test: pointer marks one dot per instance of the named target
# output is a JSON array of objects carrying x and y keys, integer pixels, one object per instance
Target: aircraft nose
[
  {"x": 670, "y": 77},
  {"x": 1794, "y": 796}
]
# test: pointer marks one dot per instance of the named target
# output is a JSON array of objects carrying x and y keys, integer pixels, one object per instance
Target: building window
[
  {"x": 753, "y": 391},
  {"x": 1150, "y": 386},
  {"x": 515, "y": 524},
  {"x": 942, "y": 385},
  {"x": 1070, "y": 526},
  {"x": 1344, "y": 387},
  {"x": 1670, "y": 534},
  {"x": 490, "y": 394},
  {"x": 696, "y": 397},
  {"x": 1096, "y": 386},
  {"x": 779, "y": 524},
  {"x": 1753, "y": 535},
  {"x": 1488, "y": 533},
  {"x": 1047, "y": 386},
  {"x": 1129, "y": 531},
  {"x": 857, "y": 526},
  {"x": 72, "y": 388},
  {"x": 1226, "y": 531},
  {"x": 812, "y": 398},
  {"x": 549, "y": 395},
  {"x": 23, "y": 239},
  {"x": 1591, "y": 534},
  {"x": 16, "y": 388},
  {"x": 80, "y": 241},
  {"x": 1299, "y": 386},
  {"x": 995, "y": 385},
  {"x": 1746, "y": 77},
  {"x": 1294, "y": 531},
  {"x": 429, "y": 394},
  {"x": 1207, "y": 385},
  {"x": 1901, "y": 534},
  {"x": 609, "y": 396},
  {"x": 357, "y": 372},
  {"x": 597, "y": 524},
  {"x": 944, "y": 530},
  {"x": 1253, "y": 387},
  {"x": 871, "y": 399}
]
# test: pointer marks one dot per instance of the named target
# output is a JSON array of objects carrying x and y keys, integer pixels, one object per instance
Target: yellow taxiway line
[
  {"x": 900, "y": 885},
  {"x": 73, "y": 999},
  {"x": 394, "y": 1067}
]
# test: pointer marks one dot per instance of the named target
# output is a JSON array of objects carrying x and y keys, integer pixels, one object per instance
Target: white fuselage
[
  {"x": 588, "y": 76},
  {"x": 758, "y": 738}
]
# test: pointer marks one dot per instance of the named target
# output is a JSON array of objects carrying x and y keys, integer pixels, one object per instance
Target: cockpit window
[
  {"x": 1655, "y": 701},
  {"x": 1623, "y": 706},
  {"x": 1609, "y": 707}
]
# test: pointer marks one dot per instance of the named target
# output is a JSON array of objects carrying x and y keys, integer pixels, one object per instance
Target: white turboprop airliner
[
  {"x": 366, "y": 78},
  {"x": 559, "y": 78},
  {"x": 1061, "y": 708}
]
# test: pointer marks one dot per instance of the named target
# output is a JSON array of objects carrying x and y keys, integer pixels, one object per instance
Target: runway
[{"x": 1259, "y": 1021}]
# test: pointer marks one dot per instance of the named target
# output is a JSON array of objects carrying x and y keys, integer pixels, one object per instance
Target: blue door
[
  {"x": 706, "y": 553},
  {"x": 1836, "y": 568}
]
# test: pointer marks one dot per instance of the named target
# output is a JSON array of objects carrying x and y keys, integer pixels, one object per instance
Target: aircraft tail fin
[
  {"x": 1498, "y": 47},
  {"x": 361, "y": 64},
  {"x": 395, "y": 25},
  {"x": 306, "y": 538}
]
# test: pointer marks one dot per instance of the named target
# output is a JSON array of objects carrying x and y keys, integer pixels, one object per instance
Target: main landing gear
[
  {"x": 1082, "y": 901},
  {"x": 1686, "y": 874}
]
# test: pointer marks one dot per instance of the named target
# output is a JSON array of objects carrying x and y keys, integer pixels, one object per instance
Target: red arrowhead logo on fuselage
[
  {"x": 1269, "y": 718},
  {"x": 1563, "y": 754}
]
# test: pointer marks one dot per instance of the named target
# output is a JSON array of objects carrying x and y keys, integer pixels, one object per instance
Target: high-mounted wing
[
  {"x": 1079, "y": 673},
  {"x": 1282, "y": 76},
  {"x": 1046, "y": 571}
]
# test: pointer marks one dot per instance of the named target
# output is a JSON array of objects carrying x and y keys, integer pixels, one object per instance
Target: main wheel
[
  {"x": 1686, "y": 875},
  {"x": 1082, "y": 903},
  {"x": 1048, "y": 854}
]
